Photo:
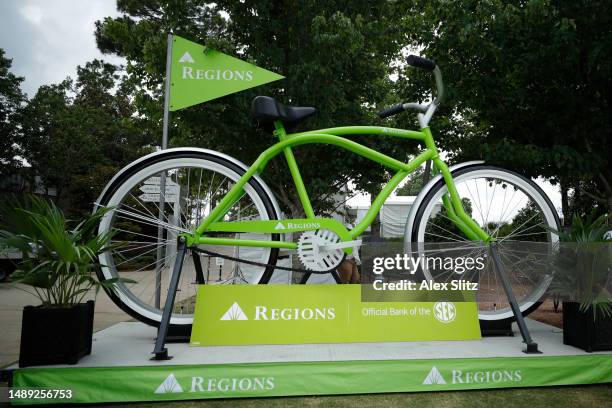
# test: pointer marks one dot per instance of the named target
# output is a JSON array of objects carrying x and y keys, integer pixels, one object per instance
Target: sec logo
[{"x": 444, "y": 312}]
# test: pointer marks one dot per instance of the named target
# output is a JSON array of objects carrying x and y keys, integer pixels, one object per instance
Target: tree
[
  {"x": 44, "y": 139},
  {"x": 528, "y": 85},
  {"x": 527, "y": 225},
  {"x": 11, "y": 99},
  {"x": 337, "y": 61},
  {"x": 413, "y": 184},
  {"x": 78, "y": 134}
]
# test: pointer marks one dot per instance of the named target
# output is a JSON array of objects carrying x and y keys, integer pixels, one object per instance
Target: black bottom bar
[{"x": 491, "y": 328}]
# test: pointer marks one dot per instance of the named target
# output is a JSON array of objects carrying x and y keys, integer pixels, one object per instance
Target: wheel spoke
[{"x": 445, "y": 230}]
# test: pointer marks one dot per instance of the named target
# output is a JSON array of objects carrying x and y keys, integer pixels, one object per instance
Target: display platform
[{"x": 119, "y": 369}]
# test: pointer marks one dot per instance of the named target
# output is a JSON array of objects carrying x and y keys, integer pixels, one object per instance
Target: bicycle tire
[
  {"x": 157, "y": 161},
  {"x": 540, "y": 198}
]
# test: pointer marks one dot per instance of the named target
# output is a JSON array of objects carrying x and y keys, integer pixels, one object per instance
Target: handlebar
[
  {"x": 428, "y": 111},
  {"x": 400, "y": 107},
  {"x": 385, "y": 113},
  {"x": 420, "y": 62},
  {"x": 429, "y": 65}
]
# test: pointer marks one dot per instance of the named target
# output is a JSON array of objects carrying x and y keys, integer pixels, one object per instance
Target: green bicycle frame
[{"x": 331, "y": 136}]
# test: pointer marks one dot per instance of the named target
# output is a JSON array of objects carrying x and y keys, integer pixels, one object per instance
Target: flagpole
[
  {"x": 162, "y": 179},
  {"x": 167, "y": 93}
]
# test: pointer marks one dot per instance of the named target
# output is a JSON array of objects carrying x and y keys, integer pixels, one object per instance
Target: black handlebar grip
[
  {"x": 385, "y": 113},
  {"x": 419, "y": 62}
]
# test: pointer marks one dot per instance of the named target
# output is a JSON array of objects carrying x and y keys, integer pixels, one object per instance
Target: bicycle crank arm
[{"x": 341, "y": 245}]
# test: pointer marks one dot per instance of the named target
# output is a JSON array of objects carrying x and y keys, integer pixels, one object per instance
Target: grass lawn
[{"x": 551, "y": 397}]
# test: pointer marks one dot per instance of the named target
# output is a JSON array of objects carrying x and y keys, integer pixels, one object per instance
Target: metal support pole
[
  {"x": 160, "y": 351},
  {"x": 162, "y": 184},
  {"x": 197, "y": 264},
  {"x": 167, "y": 93},
  {"x": 532, "y": 347},
  {"x": 159, "y": 265}
]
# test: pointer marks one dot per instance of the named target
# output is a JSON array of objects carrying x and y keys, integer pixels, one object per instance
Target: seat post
[
  {"x": 295, "y": 172},
  {"x": 279, "y": 130}
]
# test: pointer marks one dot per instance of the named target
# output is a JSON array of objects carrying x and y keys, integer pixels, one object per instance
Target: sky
[{"x": 47, "y": 39}]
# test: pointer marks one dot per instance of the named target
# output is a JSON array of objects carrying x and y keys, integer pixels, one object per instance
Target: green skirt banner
[
  {"x": 302, "y": 314},
  {"x": 165, "y": 383}
]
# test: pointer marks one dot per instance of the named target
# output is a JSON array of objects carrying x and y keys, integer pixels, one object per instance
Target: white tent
[
  {"x": 359, "y": 212},
  {"x": 394, "y": 214}
]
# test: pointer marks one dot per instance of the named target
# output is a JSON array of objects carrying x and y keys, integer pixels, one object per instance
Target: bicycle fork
[{"x": 451, "y": 200}]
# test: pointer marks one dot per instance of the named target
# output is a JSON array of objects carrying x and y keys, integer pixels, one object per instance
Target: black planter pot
[
  {"x": 56, "y": 335},
  {"x": 582, "y": 331}
]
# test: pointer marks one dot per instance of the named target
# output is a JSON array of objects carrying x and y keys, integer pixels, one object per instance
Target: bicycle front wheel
[
  {"x": 510, "y": 208},
  {"x": 145, "y": 232}
]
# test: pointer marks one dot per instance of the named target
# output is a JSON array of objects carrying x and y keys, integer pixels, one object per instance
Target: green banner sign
[
  {"x": 297, "y": 314},
  {"x": 167, "y": 382},
  {"x": 199, "y": 75}
]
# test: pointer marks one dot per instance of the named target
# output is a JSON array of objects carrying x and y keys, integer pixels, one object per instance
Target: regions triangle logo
[
  {"x": 234, "y": 313},
  {"x": 279, "y": 226},
  {"x": 169, "y": 385},
  {"x": 434, "y": 377},
  {"x": 186, "y": 58}
]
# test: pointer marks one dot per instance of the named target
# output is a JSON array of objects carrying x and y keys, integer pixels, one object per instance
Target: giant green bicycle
[{"x": 216, "y": 202}]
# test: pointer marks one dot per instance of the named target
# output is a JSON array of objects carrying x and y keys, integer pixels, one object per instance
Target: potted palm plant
[
  {"x": 582, "y": 278},
  {"x": 59, "y": 258}
]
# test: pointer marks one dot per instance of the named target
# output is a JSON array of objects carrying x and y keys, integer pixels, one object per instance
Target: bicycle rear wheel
[
  {"x": 513, "y": 210},
  {"x": 146, "y": 231}
]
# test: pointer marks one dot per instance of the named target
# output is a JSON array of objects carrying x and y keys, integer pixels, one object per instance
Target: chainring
[{"x": 313, "y": 256}]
